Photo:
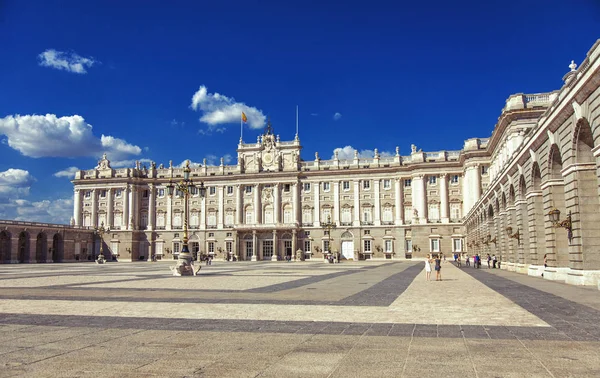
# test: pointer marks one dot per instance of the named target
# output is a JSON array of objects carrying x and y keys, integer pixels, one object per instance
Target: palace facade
[{"x": 494, "y": 196}]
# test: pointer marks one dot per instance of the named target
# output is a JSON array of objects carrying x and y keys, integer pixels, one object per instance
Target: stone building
[
  {"x": 497, "y": 192},
  {"x": 542, "y": 199},
  {"x": 273, "y": 203}
]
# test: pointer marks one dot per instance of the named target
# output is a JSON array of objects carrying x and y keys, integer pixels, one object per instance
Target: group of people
[
  {"x": 437, "y": 260},
  {"x": 492, "y": 261}
]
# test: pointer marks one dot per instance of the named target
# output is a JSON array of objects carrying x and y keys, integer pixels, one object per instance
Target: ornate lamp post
[
  {"x": 186, "y": 186},
  {"x": 101, "y": 231},
  {"x": 328, "y": 226}
]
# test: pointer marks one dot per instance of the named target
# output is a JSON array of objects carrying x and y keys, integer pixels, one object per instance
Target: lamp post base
[{"x": 184, "y": 266}]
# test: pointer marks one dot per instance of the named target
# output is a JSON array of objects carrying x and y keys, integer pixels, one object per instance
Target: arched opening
[
  {"x": 57, "y": 248},
  {"x": 585, "y": 218},
  {"x": 41, "y": 247},
  {"x": 23, "y": 247},
  {"x": 523, "y": 256},
  {"x": 536, "y": 216},
  {"x": 557, "y": 246},
  {"x": 5, "y": 244}
]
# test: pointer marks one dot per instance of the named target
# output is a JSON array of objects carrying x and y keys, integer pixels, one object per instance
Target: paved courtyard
[{"x": 310, "y": 319}]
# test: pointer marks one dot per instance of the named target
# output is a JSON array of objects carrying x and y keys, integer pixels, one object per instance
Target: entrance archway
[
  {"x": 347, "y": 245},
  {"x": 41, "y": 246},
  {"x": 5, "y": 244},
  {"x": 23, "y": 247},
  {"x": 57, "y": 248}
]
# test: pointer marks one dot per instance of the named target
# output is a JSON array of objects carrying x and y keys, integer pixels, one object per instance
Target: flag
[{"x": 244, "y": 118}]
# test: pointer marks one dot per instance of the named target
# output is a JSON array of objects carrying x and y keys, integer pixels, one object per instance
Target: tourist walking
[
  {"x": 458, "y": 260},
  {"x": 494, "y": 261},
  {"x": 438, "y": 268},
  {"x": 489, "y": 260},
  {"x": 468, "y": 262},
  {"x": 428, "y": 268}
]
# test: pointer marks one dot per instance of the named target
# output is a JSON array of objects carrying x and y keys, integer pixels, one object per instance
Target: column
[
  {"x": 257, "y": 206},
  {"x": 203, "y": 214},
  {"x": 276, "y": 204},
  {"x": 398, "y": 201},
  {"x": 336, "y": 202},
  {"x": 444, "y": 198},
  {"x": 220, "y": 215},
  {"x": 275, "y": 252},
  {"x": 239, "y": 209},
  {"x": 254, "y": 246},
  {"x": 151, "y": 208},
  {"x": 295, "y": 202},
  {"x": 77, "y": 215},
  {"x": 294, "y": 248},
  {"x": 317, "y": 205},
  {"x": 356, "y": 221},
  {"x": 169, "y": 220},
  {"x": 109, "y": 211},
  {"x": 125, "y": 219},
  {"x": 418, "y": 197},
  {"x": 94, "y": 208},
  {"x": 377, "y": 203},
  {"x": 535, "y": 216},
  {"x": 132, "y": 208}
]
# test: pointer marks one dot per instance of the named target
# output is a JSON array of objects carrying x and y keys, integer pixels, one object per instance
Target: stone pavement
[{"x": 311, "y": 319}]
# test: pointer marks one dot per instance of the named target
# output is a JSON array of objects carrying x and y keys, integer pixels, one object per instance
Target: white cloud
[
  {"x": 69, "y": 172},
  {"x": 130, "y": 163},
  {"x": 337, "y": 116},
  {"x": 50, "y": 136},
  {"x": 50, "y": 211},
  {"x": 65, "y": 61},
  {"x": 347, "y": 153},
  {"x": 219, "y": 109},
  {"x": 14, "y": 183},
  {"x": 314, "y": 114}
]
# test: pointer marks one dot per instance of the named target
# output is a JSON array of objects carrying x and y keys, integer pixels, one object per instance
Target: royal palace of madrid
[{"x": 528, "y": 194}]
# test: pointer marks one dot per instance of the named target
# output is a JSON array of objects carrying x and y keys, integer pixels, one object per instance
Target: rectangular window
[
  {"x": 307, "y": 216},
  {"x": 387, "y": 184},
  {"x": 484, "y": 170},
  {"x": 325, "y": 246},
  {"x": 366, "y": 184},
  {"x": 229, "y": 247},
  {"x": 211, "y": 247},
  {"x": 229, "y": 234},
  {"x": 388, "y": 246},
  {"x": 454, "y": 179},
  {"x": 432, "y": 180},
  {"x": 367, "y": 246},
  {"x": 286, "y": 188},
  {"x": 102, "y": 193},
  {"x": 326, "y": 186},
  {"x": 161, "y": 192},
  {"x": 326, "y": 215},
  {"x": 249, "y": 217},
  {"x": 367, "y": 232},
  {"x": 230, "y": 190},
  {"x": 267, "y": 249},
  {"x": 211, "y": 234},
  {"x": 287, "y": 216},
  {"x": 306, "y": 234},
  {"x": 457, "y": 245},
  {"x": 346, "y": 215},
  {"x": 407, "y": 183},
  {"x": 455, "y": 211},
  {"x": 346, "y": 185},
  {"x": 307, "y": 186},
  {"x": 212, "y": 190},
  {"x": 145, "y": 193},
  {"x": 249, "y": 249},
  {"x": 434, "y": 245},
  {"x": 118, "y": 193},
  {"x": 307, "y": 246},
  {"x": 434, "y": 212},
  {"x": 88, "y": 194},
  {"x": 409, "y": 245},
  {"x": 248, "y": 189},
  {"x": 175, "y": 247}
]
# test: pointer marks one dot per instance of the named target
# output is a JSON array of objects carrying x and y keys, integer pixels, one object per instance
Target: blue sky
[{"x": 430, "y": 73}]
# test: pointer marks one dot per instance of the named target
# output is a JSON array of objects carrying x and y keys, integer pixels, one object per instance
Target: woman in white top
[{"x": 428, "y": 268}]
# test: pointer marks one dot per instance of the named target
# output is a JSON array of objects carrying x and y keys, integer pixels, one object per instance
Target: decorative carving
[
  {"x": 413, "y": 149},
  {"x": 103, "y": 163}
]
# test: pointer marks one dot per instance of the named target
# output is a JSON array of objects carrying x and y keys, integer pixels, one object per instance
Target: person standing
[
  {"x": 438, "y": 268},
  {"x": 428, "y": 268},
  {"x": 494, "y": 261},
  {"x": 468, "y": 263},
  {"x": 489, "y": 260},
  {"x": 458, "y": 260}
]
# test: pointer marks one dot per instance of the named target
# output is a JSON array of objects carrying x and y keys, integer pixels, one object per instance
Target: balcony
[
  {"x": 365, "y": 223},
  {"x": 345, "y": 223},
  {"x": 387, "y": 223},
  {"x": 307, "y": 224},
  {"x": 211, "y": 226}
]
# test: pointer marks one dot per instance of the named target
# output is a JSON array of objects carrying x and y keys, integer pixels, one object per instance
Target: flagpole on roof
[
  {"x": 296, "y": 121},
  {"x": 241, "y": 127}
]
